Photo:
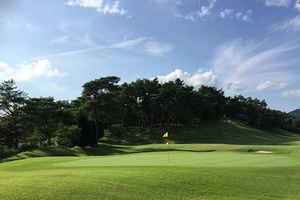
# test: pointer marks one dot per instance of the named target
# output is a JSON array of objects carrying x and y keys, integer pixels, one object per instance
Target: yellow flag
[{"x": 166, "y": 135}]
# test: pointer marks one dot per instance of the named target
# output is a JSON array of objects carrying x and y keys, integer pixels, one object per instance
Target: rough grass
[{"x": 206, "y": 162}]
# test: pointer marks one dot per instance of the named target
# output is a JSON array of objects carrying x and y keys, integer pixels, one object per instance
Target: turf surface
[{"x": 209, "y": 169}]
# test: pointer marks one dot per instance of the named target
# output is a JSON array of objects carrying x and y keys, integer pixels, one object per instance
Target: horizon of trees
[{"x": 141, "y": 103}]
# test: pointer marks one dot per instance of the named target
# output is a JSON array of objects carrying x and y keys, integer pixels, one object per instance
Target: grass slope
[{"x": 206, "y": 162}]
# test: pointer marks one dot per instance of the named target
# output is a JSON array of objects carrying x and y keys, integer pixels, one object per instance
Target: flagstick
[
  {"x": 166, "y": 135},
  {"x": 168, "y": 151}
]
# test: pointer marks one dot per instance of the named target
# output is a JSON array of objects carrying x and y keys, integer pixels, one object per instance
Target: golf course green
[{"x": 266, "y": 168}]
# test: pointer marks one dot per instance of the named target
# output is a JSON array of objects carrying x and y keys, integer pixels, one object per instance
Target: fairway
[{"x": 188, "y": 175}]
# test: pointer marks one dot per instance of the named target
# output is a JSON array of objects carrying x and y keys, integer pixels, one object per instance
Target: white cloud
[
  {"x": 202, "y": 78},
  {"x": 204, "y": 11},
  {"x": 41, "y": 68},
  {"x": 277, "y": 3},
  {"x": 225, "y": 13},
  {"x": 86, "y": 3},
  {"x": 229, "y": 56},
  {"x": 6, "y": 71},
  {"x": 60, "y": 39},
  {"x": 151, "y": 47},
  {"x": 26, "y": 72},
  {"x": 174, "y": 75},
  {"x": 212, "y": 3},
  {"x": 261, "y": 59},
  {"x": 238, "y": 15},
  {"x": 143, "y": 44},
  {"x": 191, "y": 16},
  {"x": 63, "y": 26},
  {"x": 244, "y": 16},
  {"x": 75, "y": 32},
  {"x": 199, "y": 78},
  {"x": 292, "y": 93},
  {"x": 176, "y": 2},
  {"x": 271, "y": 86},
  {"x": 114, "y": 9},
  {"x": 99, "y": 6},
  {"x": 67, "y": 53},
  {"x": 292, "y": 24},
  {"x": 249, "y": 63},
  {"x": 157, "y": 48},
  {"x": 232, "y": 87},
  {"x": 19, "y": 24},
  {"x": 146, "y": 44},
  {"x": 129, "y": 43},
  {"x": 242, "y": 57}
]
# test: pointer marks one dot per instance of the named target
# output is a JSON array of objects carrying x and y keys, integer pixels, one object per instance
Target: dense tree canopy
[
  {"x": 98, "y": 99},
  {"x": 12, "y": 102},
  {"x": 142, "y": 103}
]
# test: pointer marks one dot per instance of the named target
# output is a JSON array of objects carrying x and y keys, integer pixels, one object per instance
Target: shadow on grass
[
  {"x": 16, "y": 157},
  {"x": 173, "y": 150},
  {"x": 104, "y": 150},
  {"x": 42, "y": 152},
  {"x": 57, "y": 151}
]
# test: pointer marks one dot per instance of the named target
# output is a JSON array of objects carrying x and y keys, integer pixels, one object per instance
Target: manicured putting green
[
  {"x": 210, "y": 159},
  {"x": 189, "y": 175}
]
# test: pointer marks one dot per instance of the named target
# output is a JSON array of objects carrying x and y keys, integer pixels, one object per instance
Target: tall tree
[
  {"x": 94, "y": 98},
  {"x": 167, "y": 96},
  {"x": 175, "y": 99},
  {"x": 129, "y": 102},
  {"x": 12, "y": 102},
  {"x": 213, "y": 103},
  {"x": 42, "y": 114},
  {"x": 145, "y": 93}
]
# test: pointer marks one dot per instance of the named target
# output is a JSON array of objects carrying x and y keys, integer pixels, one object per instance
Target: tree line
[{"x": 143, "y": 103}]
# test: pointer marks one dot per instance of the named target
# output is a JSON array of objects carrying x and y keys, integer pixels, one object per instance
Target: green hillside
[
  {"x": 219, "y": 132},
  {"x": 295, "y": 113}
]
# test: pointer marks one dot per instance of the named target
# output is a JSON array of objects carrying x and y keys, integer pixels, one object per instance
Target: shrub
[
  {"x": 68, "y": 135},
  {"x": 117, "y": 131},
  {"x": 6, "y": 152}
]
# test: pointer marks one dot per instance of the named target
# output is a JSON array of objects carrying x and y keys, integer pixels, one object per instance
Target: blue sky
[{"x": 248, "y": 47}]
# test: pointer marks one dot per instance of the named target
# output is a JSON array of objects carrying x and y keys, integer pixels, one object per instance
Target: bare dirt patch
[{"x": 260, "y": 151}]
